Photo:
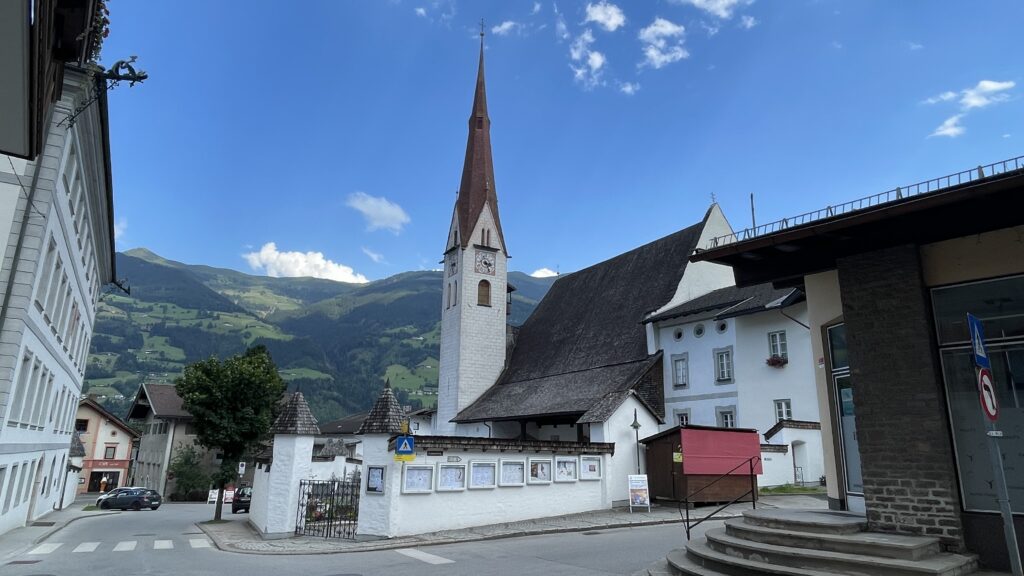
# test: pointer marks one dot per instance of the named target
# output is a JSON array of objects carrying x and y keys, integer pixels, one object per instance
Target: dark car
[
  {"x": 241, "y": 501},
  {"x": 112, "y": 493},
  {"x": 136, "y": 499}
]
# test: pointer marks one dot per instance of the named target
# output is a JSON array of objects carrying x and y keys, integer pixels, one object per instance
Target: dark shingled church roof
[
  {"x": 296, "y": 418},
  {"x": 386, "y": 416},
  {"x": 585, "y": 347},
  {"x": 77, "y": 449},
  {"x": 733, "y": 301}
]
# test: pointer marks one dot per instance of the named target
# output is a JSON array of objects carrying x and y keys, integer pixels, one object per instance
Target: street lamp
[{"x": 636, "y": 428}]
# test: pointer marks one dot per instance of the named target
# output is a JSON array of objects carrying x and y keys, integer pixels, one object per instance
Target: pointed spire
[
  {"x": 386, "y": 415},
  {"x": 477, "y": 187},
  {"x": 296, "y": 418}
]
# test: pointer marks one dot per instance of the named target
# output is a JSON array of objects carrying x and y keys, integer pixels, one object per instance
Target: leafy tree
[
  {"x": 233, "y": 404},
  {"x": 187, "y": 467}
]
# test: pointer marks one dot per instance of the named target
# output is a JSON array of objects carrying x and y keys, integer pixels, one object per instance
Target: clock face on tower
[{"x": 485, "y": 262}]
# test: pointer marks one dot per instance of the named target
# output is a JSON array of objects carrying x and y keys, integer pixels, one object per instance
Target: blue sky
[{"x": 327, "y": 138}]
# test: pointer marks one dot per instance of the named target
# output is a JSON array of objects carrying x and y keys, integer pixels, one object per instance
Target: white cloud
[
  {"x": 944, "y": 97},
  {"x": 505, "y": 28},
  {"x": 561, "y": 29},
  {"x": 606, "y": 15},
  {"x": 914, "y": 46},
  {"x": 719, "y": 8},
  {"x": 837, "y": 44},
  {"x": 294, "y": 264},
  {"x": 951, "y": 127},
  {"x": 590, "y": 63},
  {"x": 656, "y": 38},
  {"x": 421, "y": 12},
  {"x": 375, "y": 256},
  {"x": 748, "y": 22},
  {"x": 711, "y": 29},
  {"x": 1006, "y": 135},
  {"x": 379, "y": 212},
  {"x": 119, "y": 228},
  {"x": 629, "y": 88},
  {"x": 536, "y": 8},
  {"x": 544, "y": 273},
  {"x": 985, "y": 93}
]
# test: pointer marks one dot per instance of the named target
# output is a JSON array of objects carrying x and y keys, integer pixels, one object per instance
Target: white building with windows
[
  {"x": 741, "y": 357},
  {"x": 56, "y": 221}
]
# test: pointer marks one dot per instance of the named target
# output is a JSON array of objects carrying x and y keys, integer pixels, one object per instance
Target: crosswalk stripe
[
  {"x": 199, "y": 542},
  {"x": 163, "y": 544},
  {"x": 87, "y": 547},
  {"x": 423, "y": 556},
  {"x": 125, "y": 546},
  {"x": 46, "y": 548}
]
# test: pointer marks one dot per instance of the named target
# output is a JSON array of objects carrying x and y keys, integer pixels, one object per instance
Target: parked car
[
  {"x": 241, "y": 500},
  {"x": 116, "y": 491},
  {"x": 135, "y": 498}
]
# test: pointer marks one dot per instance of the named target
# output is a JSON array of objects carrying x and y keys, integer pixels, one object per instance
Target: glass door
[{"x": 846, "y": 418}]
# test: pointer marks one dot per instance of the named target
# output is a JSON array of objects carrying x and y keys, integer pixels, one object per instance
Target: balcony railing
[{"x": 898, "y": 193}]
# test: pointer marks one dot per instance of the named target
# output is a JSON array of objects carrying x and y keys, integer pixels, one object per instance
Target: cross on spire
[{"x": 481, "y": 29}]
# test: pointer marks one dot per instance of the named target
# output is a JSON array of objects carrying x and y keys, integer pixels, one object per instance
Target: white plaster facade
[
  {"x": 472, "y": 335},
  {"x": 56, "y": 257},
  {"x": 699, "y": 395},
  {"x": 275, "y": 488}
]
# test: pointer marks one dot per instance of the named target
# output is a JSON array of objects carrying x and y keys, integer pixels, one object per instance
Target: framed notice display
[
  {"x": 512, "y": 473},
  {"x": 590, "y": 467},
  {"x": 417, "y": 479},
  {"x": 566, "y": 469},
  {"x": 540, "y": 471},
  {"x": 451, "y": 477},
  {"x": 375, "y": 479},
  {"x": 483, "y": 475},
  {"x": 639, "y": 493}
]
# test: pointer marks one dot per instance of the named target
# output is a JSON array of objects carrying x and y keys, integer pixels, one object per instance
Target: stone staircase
[{"x": 812, "y": 543}]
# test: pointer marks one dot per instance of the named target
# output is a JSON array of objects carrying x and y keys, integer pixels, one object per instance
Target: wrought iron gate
[{"x": 328, "y": 508}]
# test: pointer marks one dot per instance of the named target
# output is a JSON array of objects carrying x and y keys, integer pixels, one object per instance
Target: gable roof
[
  {"x": 585, "y": 340},
  {"x": 731, "y": 301},
  {"x": 295, "y": 418},
  {"x": 161, "y": 399},
  {"x": 90, "y": 403},
  {"x": 77, "y": 449},
  {"x": 386, "y": 415},
  {"x": 347, "y": 425}
]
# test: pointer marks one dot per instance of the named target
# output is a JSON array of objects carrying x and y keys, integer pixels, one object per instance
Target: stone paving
[{"x": 236, "y": 535}]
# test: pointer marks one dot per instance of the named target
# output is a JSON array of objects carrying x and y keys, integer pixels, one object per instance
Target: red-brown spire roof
[{"x": 477, "y": 187}]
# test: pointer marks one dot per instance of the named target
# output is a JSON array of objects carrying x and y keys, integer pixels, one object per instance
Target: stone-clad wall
[{"x": 909, "y": 480}]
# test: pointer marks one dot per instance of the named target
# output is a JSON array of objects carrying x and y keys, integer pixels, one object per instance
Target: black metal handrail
[
  {"x": 749, "y": 462},
  {"x": 900, "y": 192}
]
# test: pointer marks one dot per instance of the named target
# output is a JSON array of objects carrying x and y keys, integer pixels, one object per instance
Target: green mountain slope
[{"x": 337, "y": 342}]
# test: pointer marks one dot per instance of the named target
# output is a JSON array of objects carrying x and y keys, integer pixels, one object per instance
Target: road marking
[
  {"x": 86, "y": 547},
  {"x": 163, "y": 544},
  {"x": 423, "y": 556},
  {"x": 46, "y": 548},
  {"x": 199, "y": 542},
  {"x": 125, "y": 546}
]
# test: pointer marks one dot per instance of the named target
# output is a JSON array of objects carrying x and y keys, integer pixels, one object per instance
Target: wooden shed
[{"x": 689, "y": 462}]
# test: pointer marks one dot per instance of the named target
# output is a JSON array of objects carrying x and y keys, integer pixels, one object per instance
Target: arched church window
[
  {"x": 448, "y": 301},
  {"x": 455, "y": 293},
  {"x": 483, "y": 293}
]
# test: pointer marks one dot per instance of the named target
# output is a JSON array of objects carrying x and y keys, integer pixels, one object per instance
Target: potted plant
[{"x": 776, "y": 361}]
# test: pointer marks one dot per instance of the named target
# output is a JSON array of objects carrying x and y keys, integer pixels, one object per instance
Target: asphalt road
[{"x": 166, "y": 541}]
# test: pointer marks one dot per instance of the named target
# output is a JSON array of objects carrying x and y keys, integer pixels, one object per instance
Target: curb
[
  {"x": 413, "y": 543},
  {"x": 56, "y": 529}
]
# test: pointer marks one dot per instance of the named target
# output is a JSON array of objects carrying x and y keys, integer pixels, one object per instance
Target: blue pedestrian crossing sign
[
  {"x": 405, "y": 448},
  {"x": 978, "y": 342}
]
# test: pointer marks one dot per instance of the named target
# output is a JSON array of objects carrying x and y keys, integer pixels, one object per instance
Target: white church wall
[
  {"x": 617, "y": 429},
  {"x": 777, "y": 469},
  {"x": 807, "y": 453},
  {"x": 260, "y": 498},
  {"x": 292, "y": 462},
  {"x": 704, "y": 396}
]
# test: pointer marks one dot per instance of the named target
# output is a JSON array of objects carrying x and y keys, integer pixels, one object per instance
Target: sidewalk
[
  {"x": 236, "y": 535},
  {"x": 20, "y": 540}
]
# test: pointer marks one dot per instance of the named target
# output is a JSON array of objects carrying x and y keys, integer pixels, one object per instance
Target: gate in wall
[{"x": 328, "y": 508}]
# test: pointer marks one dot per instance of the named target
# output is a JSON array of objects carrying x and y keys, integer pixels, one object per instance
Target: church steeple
[{"x": 477, "y": 187}]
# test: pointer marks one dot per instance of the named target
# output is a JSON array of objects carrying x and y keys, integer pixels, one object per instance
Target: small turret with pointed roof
[
  {"x": 386, "y": 416},
  {"x": 296, "y": 418},
  {"x": 477, "y": 187}
]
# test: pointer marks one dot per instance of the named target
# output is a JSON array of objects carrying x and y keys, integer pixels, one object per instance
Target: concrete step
[
  {"x": 698, "y": 559},
  {"x": 838, "y": 562},
  {"x": 864, "y": 543},
  {"x": 813, "y": 521}
]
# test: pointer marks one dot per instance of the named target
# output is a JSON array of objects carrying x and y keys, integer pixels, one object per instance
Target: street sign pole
[{"x": 990, "y": 413}]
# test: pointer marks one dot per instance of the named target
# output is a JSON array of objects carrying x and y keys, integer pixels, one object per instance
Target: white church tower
[{"x": 473, "y": 306}]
